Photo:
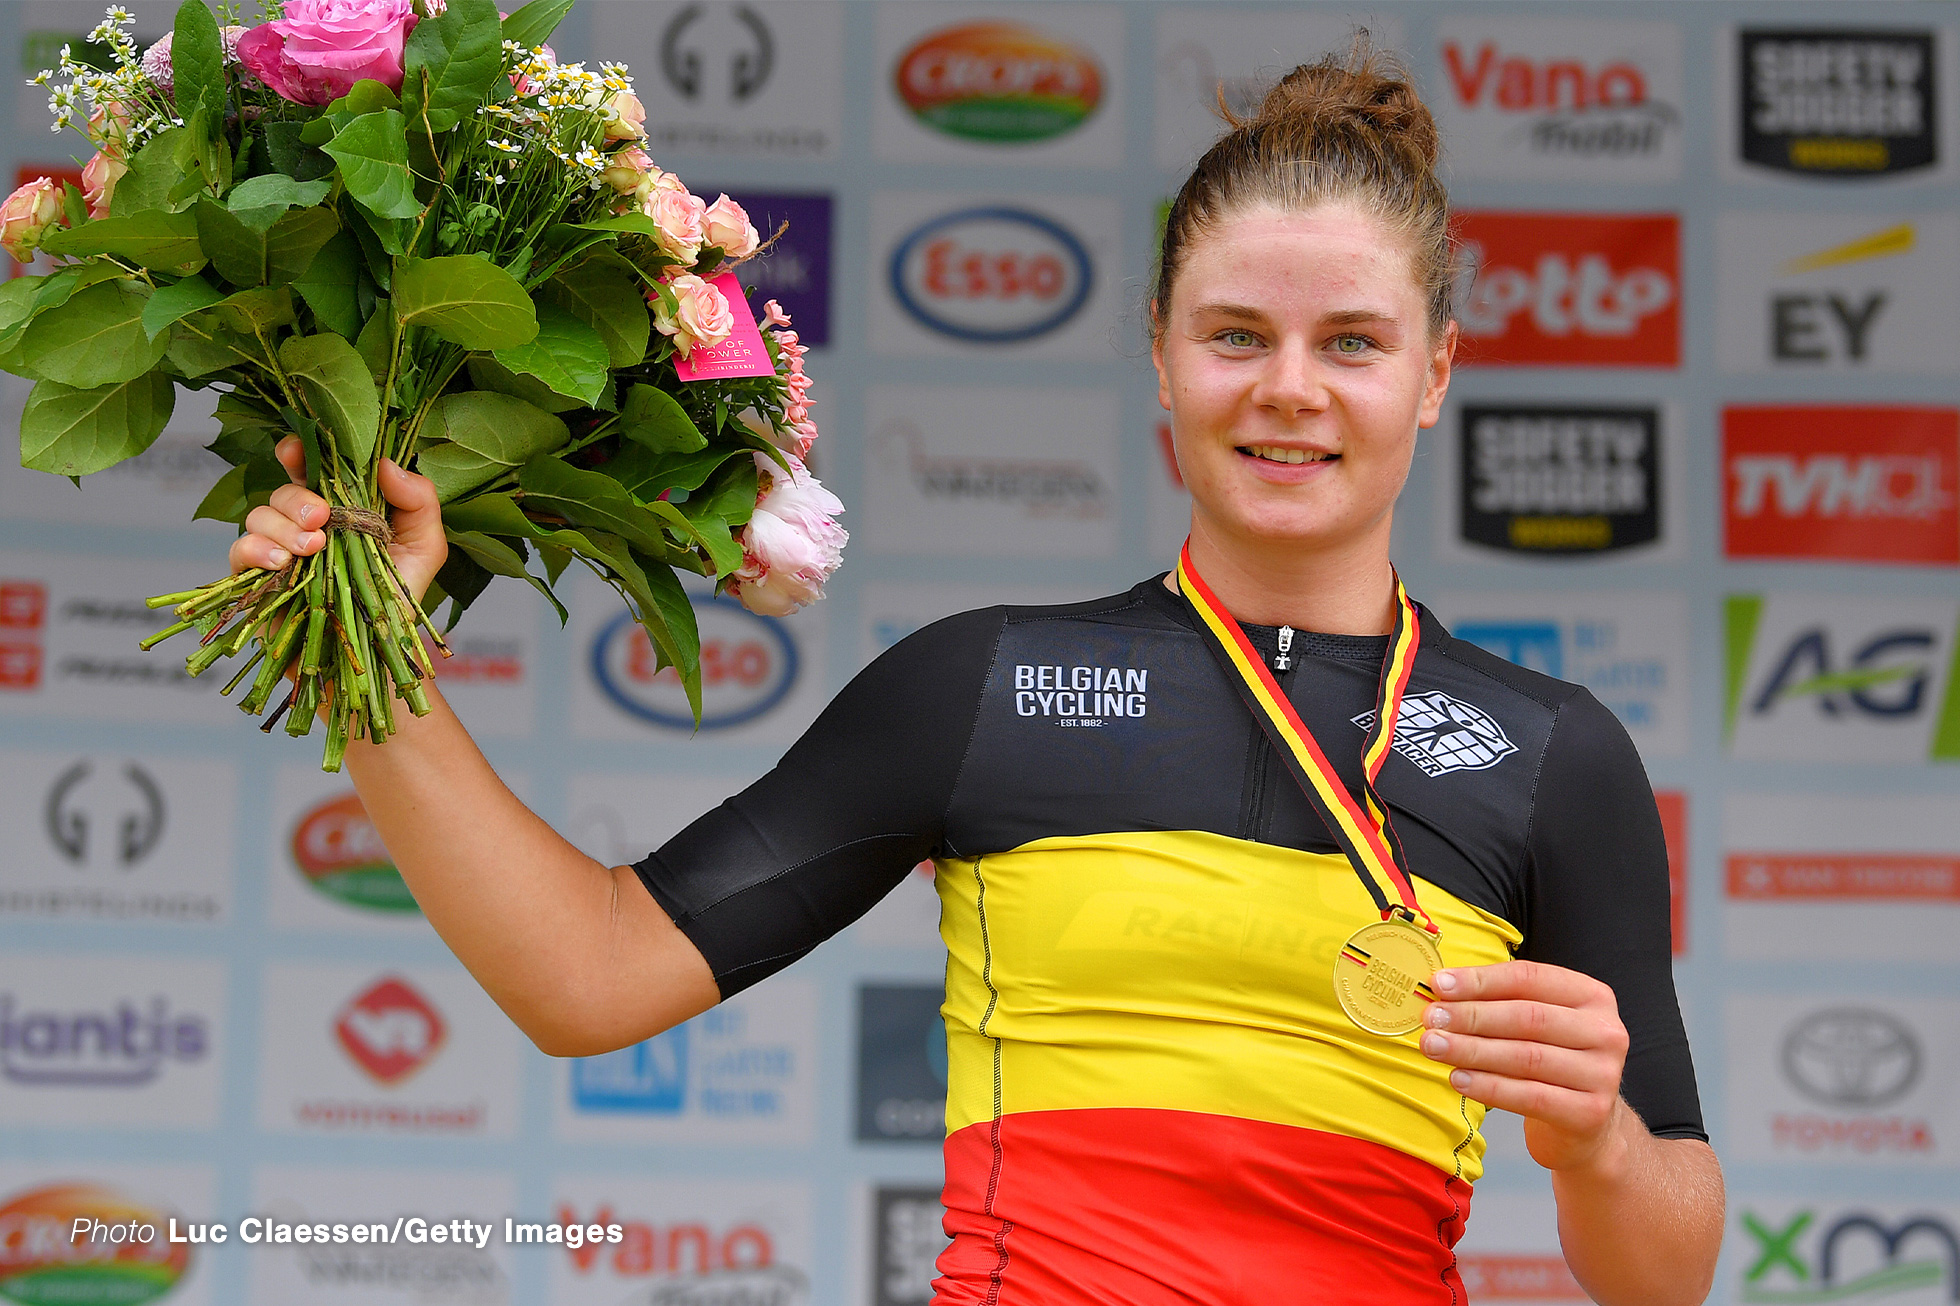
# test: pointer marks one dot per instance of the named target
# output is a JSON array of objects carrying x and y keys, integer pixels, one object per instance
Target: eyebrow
[{"x": 1340, "y": 317}]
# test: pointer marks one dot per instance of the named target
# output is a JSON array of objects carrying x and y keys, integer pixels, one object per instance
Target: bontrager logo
[{"x": 1441, "y": 734}]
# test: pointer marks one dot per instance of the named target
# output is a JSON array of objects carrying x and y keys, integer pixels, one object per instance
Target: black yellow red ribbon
[{"x": 1362, "y": 828}]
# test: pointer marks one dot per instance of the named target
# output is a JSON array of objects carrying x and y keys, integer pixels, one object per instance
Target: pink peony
[
  {"x": 99, "y": 180},
  {"x": 726, "y": 226},
  {"x": 791, "y": 544},
  {"x": 678, "y": 215},
  {"x": 26, "y": 216},
  {"x": 628, "y": 118},
  {"x": 157, "y": 67},
  {"x": 320, "y": 48},
  {"x": 701, "y": 317}
]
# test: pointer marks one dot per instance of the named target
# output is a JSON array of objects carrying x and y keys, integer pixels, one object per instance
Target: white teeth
[{"x": 1275, "y": 454}]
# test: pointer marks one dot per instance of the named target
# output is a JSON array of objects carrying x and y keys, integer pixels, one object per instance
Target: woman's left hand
[{"x": 1543, "y": 1041}]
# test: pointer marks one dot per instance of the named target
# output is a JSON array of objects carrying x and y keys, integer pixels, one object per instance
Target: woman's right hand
[{"x": 293, "y": 523}]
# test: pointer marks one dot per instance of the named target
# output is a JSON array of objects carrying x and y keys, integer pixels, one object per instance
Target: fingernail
[
  {"x": 1445, "y": 981},
  {"x": 1460, "y": 1080},
  {"x": 279, "y": 557},
  {"x": 305, "y": 513},
  {"x": 315, "y": 541},
  {"x": 1437, "y": 1017},
  {"x": 1434, "y": 1045}
]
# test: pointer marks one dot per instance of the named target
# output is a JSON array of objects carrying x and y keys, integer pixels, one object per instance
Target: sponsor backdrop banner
[{"x": 1702, "y": 456}]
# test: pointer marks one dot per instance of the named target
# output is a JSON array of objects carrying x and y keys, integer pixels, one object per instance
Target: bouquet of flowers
[{"x": 402, "y": 229}]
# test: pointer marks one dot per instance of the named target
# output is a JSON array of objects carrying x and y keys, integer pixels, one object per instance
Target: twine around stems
[{"x": 362, "y": 522}]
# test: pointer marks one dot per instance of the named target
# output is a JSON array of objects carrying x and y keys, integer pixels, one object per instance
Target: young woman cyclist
[{"x": 1189, "y": 880}]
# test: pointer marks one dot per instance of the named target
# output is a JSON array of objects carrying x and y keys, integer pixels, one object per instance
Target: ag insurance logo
[
  {"x": 1842, "y": 484},
  {"x": 1835, "y": 678},
  {"x": 1570, "y": 289},
  {"x": 1561, "y": 99},
  {"x": 1838, "y": 102}
]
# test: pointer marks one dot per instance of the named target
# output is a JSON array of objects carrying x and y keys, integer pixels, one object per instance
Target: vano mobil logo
[
  {"x": 1842, "y": 483},
  {"x": 1002, "y": 83},
  {"x": 1561, "y": 98},
  {"x": 748, "y": 666},
  {"x": 127, "y": 1045},
  {"x": 1841, "y": 678},
  {"x": 1541, "y": 289},
  {"x": 337, "y": 850},
  {"x": 1801, "y": 1255},
  {"x": 1838, "y": 102},
  {"x": 991, "y": 275},
  {"x": 82, "y": 1244},
  {"x": 390, "y": 1030}
]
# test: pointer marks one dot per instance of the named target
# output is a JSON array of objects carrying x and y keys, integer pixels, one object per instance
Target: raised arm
[{"x": 578, "y": 954}]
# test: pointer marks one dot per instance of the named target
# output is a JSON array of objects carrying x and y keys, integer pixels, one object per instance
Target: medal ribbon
[{"x": 1362, "y": 828}]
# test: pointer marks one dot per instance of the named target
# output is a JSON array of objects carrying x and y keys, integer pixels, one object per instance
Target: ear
[
  {"x": 1441, "y": 361},
  {"x": 1157, "y": 358}
]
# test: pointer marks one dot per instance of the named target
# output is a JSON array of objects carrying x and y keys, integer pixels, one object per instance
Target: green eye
[
  {"x": 1239, "y": 339},
  {"x": 1351, "y": 344}
]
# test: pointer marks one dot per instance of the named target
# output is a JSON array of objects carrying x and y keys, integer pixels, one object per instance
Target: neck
[{"x": 1342, "y": 589}]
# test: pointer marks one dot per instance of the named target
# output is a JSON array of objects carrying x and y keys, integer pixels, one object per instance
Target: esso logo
[
  {"x": 748, "y": 665},
  {"x": 991, "y": 275},
  {"x": 1001, "y": 83}
]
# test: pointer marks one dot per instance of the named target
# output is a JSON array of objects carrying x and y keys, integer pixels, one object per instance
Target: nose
[{"x": 1291, "y": 384}]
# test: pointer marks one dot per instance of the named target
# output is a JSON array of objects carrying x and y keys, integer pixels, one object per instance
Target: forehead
[{"x": 1337, "y": 250}]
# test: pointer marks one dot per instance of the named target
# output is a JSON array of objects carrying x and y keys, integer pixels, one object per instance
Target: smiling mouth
[{"x": 1274, "y": 454}]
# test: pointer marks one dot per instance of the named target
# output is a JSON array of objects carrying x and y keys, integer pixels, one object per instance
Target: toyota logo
[{"x": 1851, "y": 1057}]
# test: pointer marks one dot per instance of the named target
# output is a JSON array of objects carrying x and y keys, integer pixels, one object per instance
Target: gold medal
[{"x": 1382, "y": 975}]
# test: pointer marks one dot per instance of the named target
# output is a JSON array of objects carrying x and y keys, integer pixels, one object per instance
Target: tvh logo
[
  {"x": 1842, "y": 484},
  {"x": 1838, "y": 102},
  {"x": 1570, "y": 289}
]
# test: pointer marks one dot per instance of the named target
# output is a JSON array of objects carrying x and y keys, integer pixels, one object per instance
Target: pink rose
[
  {"x": 320, "y": 48},
  {"x": 627, "y": 121},
  {"x": 678, "y": 215},
  {"x": 773, "y": 315},
  {"x": 726, "y": 227},
  {"x": 26, "y": 216},
  {"x": 701, "y": 317},
  {"x": 791, "y": 544},
  {"x": 627, "y": 171},
  {"x": 108, "y": 127},
  {"x": 99, "y": 180}
]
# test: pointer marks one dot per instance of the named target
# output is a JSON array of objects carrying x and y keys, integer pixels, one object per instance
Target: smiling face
[{"x": 1295, "y": 360}]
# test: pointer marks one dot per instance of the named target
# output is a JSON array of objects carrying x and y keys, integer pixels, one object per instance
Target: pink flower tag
[{"x": 742, "y": 354}]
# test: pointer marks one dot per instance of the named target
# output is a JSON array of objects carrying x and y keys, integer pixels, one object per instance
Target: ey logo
[
  {"x": 1856, "y": 1257},
  {"x": 1833, "y": 324}
]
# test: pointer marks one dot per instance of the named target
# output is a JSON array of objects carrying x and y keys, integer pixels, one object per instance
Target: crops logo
[
  {"x": 338, "y": 851},
  {"x": 742, "y": 60},
  {"x": 701, "y": 1262},
  {"x": 1838, "y": 103},
  {"x": 1561, "y": 106},
  {"x": 82, "y": 1244},
  {"x": 115, "y": 817},
  {"x": 127, "y": 1046},
  {"x": 991, "y": 276},
  {"x": 1000, "y": 83},
  {"x": 1851, "y": 1062},
  {"x": 390, "y": 1030},
  {"x": 1844, "y": 484},
  {"x": 1542, "y": 289},
  {"x": 23, "y": 618},
  {"x": 1560, "y": 480},
  {"x": 1804, "y": 668},
  {"x": 748, "y": 666},
  {"x": 1857, "y": 1256}
]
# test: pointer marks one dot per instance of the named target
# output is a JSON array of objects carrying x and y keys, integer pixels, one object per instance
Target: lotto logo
[
  {"x": 1867, "y": 484},
  {"x": 390, "y": 1031},
  {"x": 1561, "y": 289}
]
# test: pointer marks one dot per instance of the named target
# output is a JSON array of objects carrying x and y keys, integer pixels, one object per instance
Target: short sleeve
[
  {"x": 1597, "y": 902},
  {"x": 854, "y": 804}
]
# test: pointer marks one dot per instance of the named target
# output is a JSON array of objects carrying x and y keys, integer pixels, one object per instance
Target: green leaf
[
  {"x": 206, "y": 347},
  {"x": 494, "y": 426},
  {"x": 605, "y": 295},
  {"x": 586, "y": 498},
  {"x": 272, "y": 188},
  {"x": 466, "y": 300},
  {"x": 154, "y": 238},
  {"x": 728, "y": 496},
  {"x": 154, "y": 173},
  {"x": 177, "y": 300},
  {"x": 285, "y": 152},
  {"x": 486, "y": 373},
  {"x": 258, "y": 310},
  {"x": 70, "y": 432},
  {"x": 376, "y": 342},
  {"x": 330, "y": 285},
  {"x": 197, "y": 67},
  {"x": 372, "y": 152},
  {"x": 456, "y": 470},
  {"x": 234, "y": 242},
  {"x": 95, "y": 339},
  {"x": 567, "y": 355},
  {"x": 226, "y": 501},
  {"x": 496, "y": 556},
  {"x": 646, "y": 474},
  {"x": 533, "y": 25},
  {"x": 450, "y": 62},
  {"x": 294, "y": 241},
  {"x": 655, "y": 420},
  {"x": 339, "y": 389}
]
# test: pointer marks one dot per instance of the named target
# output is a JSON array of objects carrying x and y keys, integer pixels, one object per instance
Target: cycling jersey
[{"x": 1153, "y": 1096}]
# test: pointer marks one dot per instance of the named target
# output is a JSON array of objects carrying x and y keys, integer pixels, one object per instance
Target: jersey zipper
[{"x": 1262, "y": 772}]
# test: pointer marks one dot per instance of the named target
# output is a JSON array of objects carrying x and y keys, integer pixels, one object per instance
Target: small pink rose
[
  {"x": 26, "y": 215},
  {"x": 318, "y": 49},
  {"x": 627, "y": 118},
  {"x": 678, "y": 216},
  {"x": 701, "y": 316},
  {"x": 627, "y": 170},
  {"x": 99, "y": 180},
  {"x": 726, "y": 227},
  {"x": 773, "y": 315}
]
